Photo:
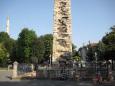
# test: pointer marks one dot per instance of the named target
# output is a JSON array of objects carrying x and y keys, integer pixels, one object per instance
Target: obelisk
[
  {"x": 8, "y": 24},
  {"x": 62, "y": 30}
]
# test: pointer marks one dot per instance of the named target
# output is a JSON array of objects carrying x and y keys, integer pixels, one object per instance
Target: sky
[{"x": 91, "y": 19}]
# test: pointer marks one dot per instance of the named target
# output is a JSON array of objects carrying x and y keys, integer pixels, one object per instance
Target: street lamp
[
  {"x": 50, "y": 60},
  {"x": 96, "y": 56},
  {"x": 96, "y": 60}
]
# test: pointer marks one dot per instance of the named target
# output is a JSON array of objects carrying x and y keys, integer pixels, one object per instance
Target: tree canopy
[
  {"x": 48, "y": 43},
  {"x": 38, "y": 50},
  {"x": 105, "y": 49},
  {"x": 24, "y": 42},
  {"x": 3, "y": 36},
  {"x": 28, "y": 48},
  {"x": 3, "y": 55},
  {"x": 109, "y": 42}
]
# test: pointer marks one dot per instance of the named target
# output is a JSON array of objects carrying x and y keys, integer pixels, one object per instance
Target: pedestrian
[{"x": 98, "y": 78}]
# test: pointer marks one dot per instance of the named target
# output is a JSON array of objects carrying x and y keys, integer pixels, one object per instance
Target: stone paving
[
  {"x": 4, "y": 75},
  {"x": 43, "y": 83},
  {"x": 48, "y": 83},
  {"x": 6, "y": 81}
]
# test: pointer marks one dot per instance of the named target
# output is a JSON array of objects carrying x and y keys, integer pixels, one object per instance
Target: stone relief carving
[
  {"x": 63, "y": 35},
  {"x": 63, "y": 24},
  {"x": 62, "y": 42}
]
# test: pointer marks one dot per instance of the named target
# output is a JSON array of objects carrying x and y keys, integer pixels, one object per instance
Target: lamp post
[
  {"x": 96, "y": 60},
  {"x": 96, "y": 56},
  {"x": 50, "y": 60}
]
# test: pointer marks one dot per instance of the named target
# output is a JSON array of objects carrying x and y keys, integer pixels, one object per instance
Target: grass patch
[{"x": 3, "y": 68}]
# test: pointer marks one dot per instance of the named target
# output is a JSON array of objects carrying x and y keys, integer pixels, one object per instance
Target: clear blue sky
[{"x": 91, "y": 19}]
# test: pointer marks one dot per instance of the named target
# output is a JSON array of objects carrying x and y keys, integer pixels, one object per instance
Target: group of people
[{"x": 99, "y": 79}]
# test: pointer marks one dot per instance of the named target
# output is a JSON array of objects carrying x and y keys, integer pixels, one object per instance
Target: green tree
[
  {"x": 3, "y": 36},
  {"x": 48, "y": 42},
  {"x": 38, "y": 50},
  {"x": 100, "y": 50},
  {"x": 3, "y": 55},
  {"x": 8, "y": 43},
  {"x": 14, "y": 52},
  {"x": 109, "y": 42},
  {"x": 113, "y": 28},
  {"x": 109, "y": 45},
  {"x": 73, "y": 50},
  {"x": 25, "y": 40},
  {"x": 92, "y": 50},
  {"x": 75, "y": 54}
]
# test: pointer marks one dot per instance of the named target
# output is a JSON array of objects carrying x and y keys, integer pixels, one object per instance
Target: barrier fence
[
  {"x": 88, "y": 72},
  {"x": 23, "y": 69}
]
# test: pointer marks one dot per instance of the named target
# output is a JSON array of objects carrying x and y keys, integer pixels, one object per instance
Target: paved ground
[
  {"x": 48, "y": 83},
  {"x": 6, "y": 81},
  {"x": 4, "y": 75},
  {"x": 43, "y": 83}
]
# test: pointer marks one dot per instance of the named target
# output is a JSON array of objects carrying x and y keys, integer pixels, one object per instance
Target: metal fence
[
  {"x": 55, "y": 73},
  {"x": 87, "y": 72},
  {"x": 82, "y": 73},
  {"x": 23, "y": 69}
]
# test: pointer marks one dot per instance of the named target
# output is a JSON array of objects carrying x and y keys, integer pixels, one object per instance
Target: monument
[
  {"x": 8, "y": 24},
  {"x": 62, "y": 31}
]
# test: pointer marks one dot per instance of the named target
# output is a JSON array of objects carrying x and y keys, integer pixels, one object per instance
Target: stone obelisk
[
  {"x": 8, "y": 24},
  {"x": 62, "y": 30}
]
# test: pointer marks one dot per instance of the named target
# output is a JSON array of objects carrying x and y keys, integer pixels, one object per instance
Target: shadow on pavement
[
  {"x": 50, "y": 83},
  {"x": 43, "y": 83}
]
